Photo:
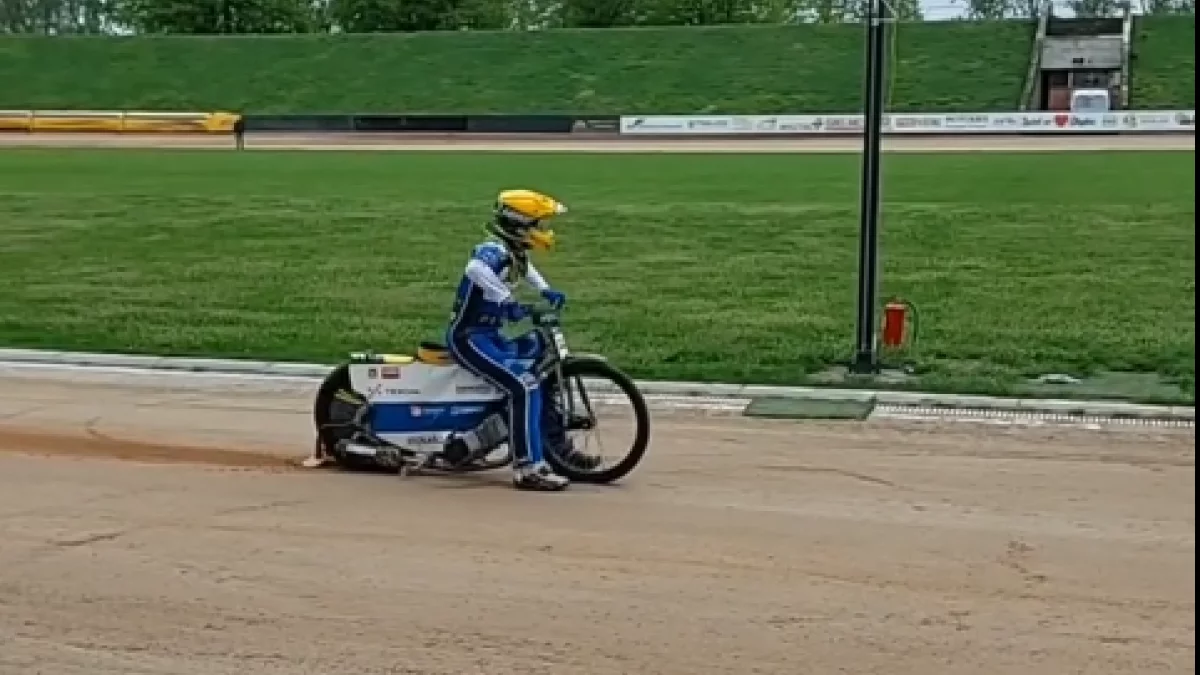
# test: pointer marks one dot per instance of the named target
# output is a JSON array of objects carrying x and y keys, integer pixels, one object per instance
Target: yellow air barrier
[{"x": 117, "y": 121}]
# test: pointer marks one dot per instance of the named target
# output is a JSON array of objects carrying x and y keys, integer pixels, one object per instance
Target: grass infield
[
  {"x": 612, "y": 71},
  {"x": 721, "y": 268}
]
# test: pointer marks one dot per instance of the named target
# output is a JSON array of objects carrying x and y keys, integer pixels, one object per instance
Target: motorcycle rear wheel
[{"x": 333, "y": 414}]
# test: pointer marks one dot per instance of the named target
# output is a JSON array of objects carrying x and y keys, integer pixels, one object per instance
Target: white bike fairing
[{"x": 419, "y": 405}]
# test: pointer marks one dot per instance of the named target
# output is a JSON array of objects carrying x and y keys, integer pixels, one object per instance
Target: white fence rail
[{"x": 1139, "y": 121}]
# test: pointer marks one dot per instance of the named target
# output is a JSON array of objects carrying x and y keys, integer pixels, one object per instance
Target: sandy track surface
[
  {"x": 561, "y": 143},
  {"x": 738, "y": 548}
]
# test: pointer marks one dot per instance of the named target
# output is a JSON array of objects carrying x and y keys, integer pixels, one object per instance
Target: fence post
[{"x": 239, "y": 132}]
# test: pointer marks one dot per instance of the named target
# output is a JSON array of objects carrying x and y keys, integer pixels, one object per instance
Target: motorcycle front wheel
[{"x": 580, "y": 415}]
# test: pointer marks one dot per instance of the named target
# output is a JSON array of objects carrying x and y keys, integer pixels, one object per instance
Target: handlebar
[{"x": 543, "y": 314}]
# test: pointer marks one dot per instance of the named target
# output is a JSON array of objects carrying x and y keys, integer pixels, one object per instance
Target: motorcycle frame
[{"x": 555, "y": 353}]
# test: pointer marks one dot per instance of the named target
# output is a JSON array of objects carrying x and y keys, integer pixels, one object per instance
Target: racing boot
[
  {"x": 558, "y": 442},
  {"x": 538, "y": 477},
  {"x": 576, "y": 458}
]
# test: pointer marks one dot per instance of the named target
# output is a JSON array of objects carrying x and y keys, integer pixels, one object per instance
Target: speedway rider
[{"x": 484, "y": 302}]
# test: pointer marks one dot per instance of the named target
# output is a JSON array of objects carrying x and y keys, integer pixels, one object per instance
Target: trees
[
  {"x": 1168, "y": 6},
  {"x": 1030, "y": 9},
  {"x": 389, "y": 16},
  {"x": 196, "y": 17},
  {"x": 371, "y": 16},
  {"x": 56, "y": 17},
  {"x": 216, "y": 17}
]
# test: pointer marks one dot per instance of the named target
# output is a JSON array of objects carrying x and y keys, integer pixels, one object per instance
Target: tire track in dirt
[{"x": 93, "y": 444}]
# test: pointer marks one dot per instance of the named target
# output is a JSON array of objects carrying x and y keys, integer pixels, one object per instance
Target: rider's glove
[
  {"x": 556, "y": 298},
  {"x": 515, "y": 311}
]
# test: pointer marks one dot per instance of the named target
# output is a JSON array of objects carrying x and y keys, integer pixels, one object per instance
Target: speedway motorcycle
[{"x": 405, "y": 413}]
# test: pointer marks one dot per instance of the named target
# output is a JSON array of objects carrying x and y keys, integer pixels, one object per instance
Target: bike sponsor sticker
[
  {"x": 425, "y": 410},
  {"x": 467, "y": 409},
  {"x": 423, "y": 439}
]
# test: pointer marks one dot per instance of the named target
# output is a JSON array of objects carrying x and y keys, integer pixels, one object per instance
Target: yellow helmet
[{"x": 520, "y": 218}]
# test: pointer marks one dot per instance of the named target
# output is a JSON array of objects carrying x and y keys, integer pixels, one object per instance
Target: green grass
[
  {"x": 1164, "y": 72},
  {"x": 724, "y": 267},
  {"x": 946, "y": 66}
]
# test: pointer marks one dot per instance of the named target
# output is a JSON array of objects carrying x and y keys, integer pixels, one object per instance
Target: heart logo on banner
[{"x": 1062, "y": 120}]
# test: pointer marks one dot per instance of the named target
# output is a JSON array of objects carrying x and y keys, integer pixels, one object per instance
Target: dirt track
[
  {"x": 739, "y": 548},
  {"x": 158, "y": 532}
]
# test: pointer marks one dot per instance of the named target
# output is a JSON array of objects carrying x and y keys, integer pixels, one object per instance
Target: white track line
[{"x": 292, "y": 384}]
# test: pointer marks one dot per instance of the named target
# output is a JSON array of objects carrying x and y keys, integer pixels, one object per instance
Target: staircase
[{"x": 1077, "y": 53}]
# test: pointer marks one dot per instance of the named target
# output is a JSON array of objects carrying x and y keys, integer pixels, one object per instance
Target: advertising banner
[{"x": 915, "y": 123}]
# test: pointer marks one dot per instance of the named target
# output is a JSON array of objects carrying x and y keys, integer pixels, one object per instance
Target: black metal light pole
[{"x": 865, "y": 360}]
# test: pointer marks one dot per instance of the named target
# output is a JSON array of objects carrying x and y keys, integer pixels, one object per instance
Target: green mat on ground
[{"x": 780, "y": 407}]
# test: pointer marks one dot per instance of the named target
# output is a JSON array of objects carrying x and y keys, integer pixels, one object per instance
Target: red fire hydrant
[{"x": 895, "y": 320}]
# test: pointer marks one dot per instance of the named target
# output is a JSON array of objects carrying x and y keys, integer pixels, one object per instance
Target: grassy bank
[
  {"x": 1164, "y": 70},
  {"x": 680, "y": 267},
  {"x": 963, "y": 66}
]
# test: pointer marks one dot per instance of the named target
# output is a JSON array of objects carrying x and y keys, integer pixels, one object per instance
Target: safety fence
[
  {"x": 118, "y": 121},
  {"x": 935, "y": 124},
  {"x": 1038, "y": 122},
  {"x": 438, "y": 124}
]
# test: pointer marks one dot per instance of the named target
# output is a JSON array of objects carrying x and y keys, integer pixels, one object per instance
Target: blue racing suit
[{"x": 483, "y": 303}]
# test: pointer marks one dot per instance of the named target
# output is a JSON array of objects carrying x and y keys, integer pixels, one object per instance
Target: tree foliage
[
  {"x": 994, "y": 10},
  {"x": 390, "y": 16},
  {"x": 1096, "y": 8},
  {"x": 1159, "y": 7},
  {"x": 56, "y": 17},
  {"x": 197, "y": 17},
  {"x": 201, "y": 17}
]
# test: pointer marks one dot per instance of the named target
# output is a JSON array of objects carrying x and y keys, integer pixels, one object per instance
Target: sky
[{"x": 936, "y": 10}]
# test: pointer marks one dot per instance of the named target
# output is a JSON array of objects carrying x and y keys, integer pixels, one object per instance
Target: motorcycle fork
[{"x": 571, "y": 421}]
